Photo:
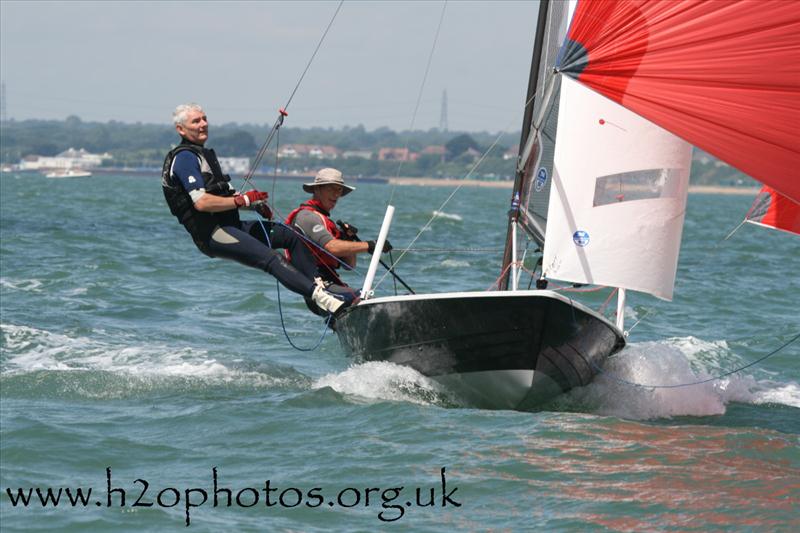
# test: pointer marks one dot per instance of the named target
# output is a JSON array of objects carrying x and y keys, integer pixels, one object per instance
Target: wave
[
  {"x": 447, "y": 216},
  {"x": 447, "y": 263},
  {"x": 39, "y": 363},
  {"x": 659, "y": 379},
  {"x": 42, "y": 363},
  {"x": 32, "y": 285},
  {"x": 387, "y": 381}
]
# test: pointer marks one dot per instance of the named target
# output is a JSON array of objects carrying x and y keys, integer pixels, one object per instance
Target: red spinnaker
[
  {"x": 773, "y": 209},
  {"x": 722, "y": 74}
]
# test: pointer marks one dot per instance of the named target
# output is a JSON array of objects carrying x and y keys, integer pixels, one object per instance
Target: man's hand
[
  {"x": 249, "y": 198},
  {"x": 349, "y": 232},
  {"x": 387, "y": 246},
  {"x": 264, "y": 210}
]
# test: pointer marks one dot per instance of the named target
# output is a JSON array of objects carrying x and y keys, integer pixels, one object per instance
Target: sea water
[{"x": 164, "y": 381}]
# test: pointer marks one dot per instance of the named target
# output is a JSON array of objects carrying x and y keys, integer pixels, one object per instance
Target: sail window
[{"x": 637, "y": 185}]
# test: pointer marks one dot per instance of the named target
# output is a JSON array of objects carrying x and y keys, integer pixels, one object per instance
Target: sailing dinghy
[{"x": 617, "y": 92}]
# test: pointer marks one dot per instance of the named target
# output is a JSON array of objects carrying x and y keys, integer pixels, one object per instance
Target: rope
[
  {"x": 699, "y": 382},
  {"x": 300, "y": 348},
  {"x": 447, "y": 200},
  {"x": 257, "y": 161},
  {"x": 637, "y": 322},
  {"x": 311, "y": 245},
  {"x": 496, "y": 283},
  {"x": 419, "y": 93},
  {"x": 282, "y": 112},
  {"x": 308, "y": 65},
  {"x": 280, "y": 304},
  {"x": 455, "y": 250},
  {"x": 605, "y": 304}
]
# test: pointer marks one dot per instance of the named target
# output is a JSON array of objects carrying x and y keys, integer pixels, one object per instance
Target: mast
[{"x": 520, "y": 179}]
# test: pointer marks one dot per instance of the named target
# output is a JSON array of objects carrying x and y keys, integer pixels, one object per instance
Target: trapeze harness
[
  {"x": 322, "y": 259},
  {"x": 200, "y": 225}
]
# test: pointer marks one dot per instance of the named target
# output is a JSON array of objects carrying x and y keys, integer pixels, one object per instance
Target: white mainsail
[{"x": 618, "y": 196}]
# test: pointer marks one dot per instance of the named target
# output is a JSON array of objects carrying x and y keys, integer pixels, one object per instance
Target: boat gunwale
[{"x": 487, "y": 294}]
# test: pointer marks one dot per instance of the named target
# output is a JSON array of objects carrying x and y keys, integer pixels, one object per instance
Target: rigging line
[
  {"x": 447, "y": 200},
  {"x": 742, "y": 223},
  {"x": 309, "y": 243},
  {"x": 474, "y": 167},
  {"x": 277, "y": 161},
  {"x": 286, "y": 333},
  {"x": 605, "y": 304},
  {"x": 282, "y": 113},
  {"x": 637, "y": 322},
  {"x": 699, "y": 382},
  {"x": 419, "y": 94},
  {"x": 455, "y": 250},
  {"x": 308, "y": 65},
  {"x": 263, "y": 149},
  {"x": 280, "y": 305},
  {"x": 274, "y": 181}
]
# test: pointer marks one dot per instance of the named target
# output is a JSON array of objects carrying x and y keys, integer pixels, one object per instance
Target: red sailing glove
[{"x": 250, "y": 198}]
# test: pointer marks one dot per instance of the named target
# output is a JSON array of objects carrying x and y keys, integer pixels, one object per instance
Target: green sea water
[{"x": 135, "y": 366}]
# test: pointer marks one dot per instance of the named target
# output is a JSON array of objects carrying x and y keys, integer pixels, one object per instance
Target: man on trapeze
[
  {"x": 204, "y": 201},
  {"x": 335, "y": 245}
]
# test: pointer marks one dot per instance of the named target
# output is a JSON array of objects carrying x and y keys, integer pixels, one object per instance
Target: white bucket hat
[{"x": 328, "y": 176}]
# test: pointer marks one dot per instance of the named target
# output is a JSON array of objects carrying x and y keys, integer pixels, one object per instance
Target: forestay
[{"x": 618, "y": 199}]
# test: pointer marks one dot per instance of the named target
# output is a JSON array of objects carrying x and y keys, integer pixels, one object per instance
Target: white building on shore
[
  {"x": 234, "y": 165},
  {"x": 66, "y": 160}
]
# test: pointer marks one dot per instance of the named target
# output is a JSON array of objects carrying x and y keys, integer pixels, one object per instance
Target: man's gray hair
[{"x": 179, "y": 115}]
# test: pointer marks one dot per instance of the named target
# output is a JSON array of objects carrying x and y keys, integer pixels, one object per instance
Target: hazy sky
[{"x": 134, "y": 61}]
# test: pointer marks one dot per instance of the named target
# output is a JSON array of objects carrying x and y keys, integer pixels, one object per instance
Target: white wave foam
[
  {"x": 783, "y": 394},
  {"x": 455, "y": 263},
  {"x": 78, "y": 291},
  {"x": 386, "y": 381},
  {"x": 447, "y": 263},
  {"x": 29, "y": 350},
  {"x": 448, "y": 216},
  {"x": 32, "y": 285},
  {"x": 677, "y": 361}
]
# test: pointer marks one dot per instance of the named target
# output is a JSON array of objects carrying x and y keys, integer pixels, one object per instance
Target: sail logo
[
  {"x": 581, "y": 238},
  {"x": 541, "y": 179}
]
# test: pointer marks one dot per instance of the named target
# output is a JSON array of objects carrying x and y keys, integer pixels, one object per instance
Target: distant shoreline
[
  {"x": 420, "y": 182},
  {"x": 437, "y": 182}
]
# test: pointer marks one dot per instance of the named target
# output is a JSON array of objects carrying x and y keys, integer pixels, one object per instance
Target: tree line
[{"x": 144, "y": 146}]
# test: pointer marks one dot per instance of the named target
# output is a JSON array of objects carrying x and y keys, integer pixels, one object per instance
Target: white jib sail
[{"x": 618, "y": 196}]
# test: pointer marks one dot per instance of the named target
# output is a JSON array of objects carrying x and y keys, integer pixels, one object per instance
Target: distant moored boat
[{"x": 69, "y": 173}]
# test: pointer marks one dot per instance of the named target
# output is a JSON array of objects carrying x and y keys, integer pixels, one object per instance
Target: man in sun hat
[
  {"x": 313, "y": 218},
  {"x": 200, "y": 195}
]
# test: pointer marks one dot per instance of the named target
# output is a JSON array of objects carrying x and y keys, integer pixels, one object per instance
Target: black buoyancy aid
[
  {"x": 322, "y": 258},
  {"x": 199, "y": 224}
]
